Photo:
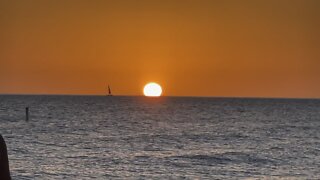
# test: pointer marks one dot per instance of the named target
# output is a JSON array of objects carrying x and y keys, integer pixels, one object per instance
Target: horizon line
[{"x": 175, "y": 96}]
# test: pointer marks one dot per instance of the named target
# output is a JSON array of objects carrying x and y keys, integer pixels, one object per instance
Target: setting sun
[{"x": 152, "y": 90}]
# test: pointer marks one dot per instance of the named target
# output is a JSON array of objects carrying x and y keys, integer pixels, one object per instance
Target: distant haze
[{"x": 265, "y": 48}]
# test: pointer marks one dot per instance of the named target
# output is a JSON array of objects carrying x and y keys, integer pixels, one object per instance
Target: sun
[{"x": 152, "y": 90}]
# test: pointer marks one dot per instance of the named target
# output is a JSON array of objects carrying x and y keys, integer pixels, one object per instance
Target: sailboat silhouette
[{"x": 109, "y": 91}]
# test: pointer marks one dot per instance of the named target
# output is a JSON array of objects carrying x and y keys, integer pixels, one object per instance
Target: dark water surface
[{"x": 87, "y": 137}]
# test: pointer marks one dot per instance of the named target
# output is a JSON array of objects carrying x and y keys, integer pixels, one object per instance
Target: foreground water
[{"x": 86, "y": 137}]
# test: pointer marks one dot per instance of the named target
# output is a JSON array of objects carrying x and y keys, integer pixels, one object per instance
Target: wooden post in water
[{"x": 27, "y": 114}]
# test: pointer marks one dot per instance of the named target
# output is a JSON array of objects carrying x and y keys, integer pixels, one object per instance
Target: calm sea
[{"x": 96, "y": 137}]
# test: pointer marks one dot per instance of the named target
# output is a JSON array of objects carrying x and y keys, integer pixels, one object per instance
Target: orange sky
[{"x": 265, "y": 48}]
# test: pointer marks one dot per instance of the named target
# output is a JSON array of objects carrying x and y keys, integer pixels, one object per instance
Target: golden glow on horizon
[{"x": 152, "y": 90}]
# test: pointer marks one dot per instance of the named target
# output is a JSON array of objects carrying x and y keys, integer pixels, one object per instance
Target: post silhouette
[
  {"x": 27, "y": 114},
  {"x": 4, "y": 162}
]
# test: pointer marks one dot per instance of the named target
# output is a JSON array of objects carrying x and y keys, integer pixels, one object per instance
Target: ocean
[{"x": 99, "y": 137}]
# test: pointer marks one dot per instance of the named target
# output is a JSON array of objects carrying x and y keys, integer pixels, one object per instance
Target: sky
[{"x": 247, "y": 48}]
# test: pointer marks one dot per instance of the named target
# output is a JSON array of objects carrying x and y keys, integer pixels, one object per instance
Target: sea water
[{"x": 99, "y": 137}]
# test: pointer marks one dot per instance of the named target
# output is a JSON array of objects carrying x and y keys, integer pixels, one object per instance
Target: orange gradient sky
[{"x": 265, "y": 48}]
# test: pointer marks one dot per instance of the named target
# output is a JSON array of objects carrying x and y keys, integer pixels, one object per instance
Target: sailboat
[{"x": 109, "y": 91}]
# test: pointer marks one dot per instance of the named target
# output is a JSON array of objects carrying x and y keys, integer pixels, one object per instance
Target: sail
[{"x": 109, "y": 91}]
